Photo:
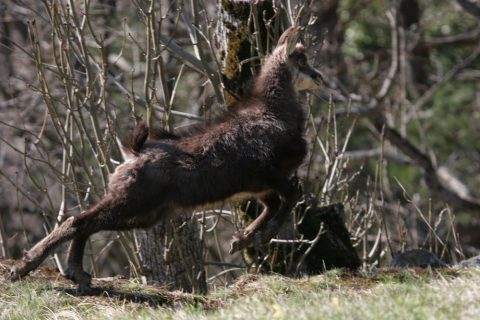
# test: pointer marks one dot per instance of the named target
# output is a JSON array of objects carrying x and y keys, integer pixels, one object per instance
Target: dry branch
[
  {"x": 430, "y": 171},
  {"x": 471, "y": 6}
]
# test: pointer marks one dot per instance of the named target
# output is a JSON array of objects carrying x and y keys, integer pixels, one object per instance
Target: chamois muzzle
[
  {"x": 307, "y": 77},
  {"x": 317, "y": 77}
]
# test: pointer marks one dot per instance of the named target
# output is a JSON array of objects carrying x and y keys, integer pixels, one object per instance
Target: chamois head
[{"x": 291, "y": 52}]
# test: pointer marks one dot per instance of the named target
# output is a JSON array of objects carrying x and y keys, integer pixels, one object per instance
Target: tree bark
[
  {"x": 242, "y": 35},
  {"x": 171, "y": 253}
]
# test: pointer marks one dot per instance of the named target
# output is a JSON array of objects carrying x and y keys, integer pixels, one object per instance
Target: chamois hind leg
[
  {"x": 243, "y": 238},
  {"x": 74, "y": 228},
  {"x": 108, "y": 214},
  {"x": 270, "y": 229},
  {"x": 32, "y": 258},
  {"x": 277, "y": 208}
]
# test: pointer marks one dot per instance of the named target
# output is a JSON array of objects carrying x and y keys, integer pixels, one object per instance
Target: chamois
[{"x": 250, "y": 152}]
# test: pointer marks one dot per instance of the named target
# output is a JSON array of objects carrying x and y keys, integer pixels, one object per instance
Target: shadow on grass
[{"x": 160, "y": 298}]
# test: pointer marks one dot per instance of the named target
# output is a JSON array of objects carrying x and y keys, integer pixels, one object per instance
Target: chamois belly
[
  {"x": 236, "y": 198},
  {"x": 217, "y": 188}
]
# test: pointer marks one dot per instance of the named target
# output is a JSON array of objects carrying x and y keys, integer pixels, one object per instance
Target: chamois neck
[{"x": 274, "y": 83}]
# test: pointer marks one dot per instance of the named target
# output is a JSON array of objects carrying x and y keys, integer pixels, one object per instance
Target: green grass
[{"x": 335, "y": 295}]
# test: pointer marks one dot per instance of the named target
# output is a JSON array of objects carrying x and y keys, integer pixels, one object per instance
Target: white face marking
[{"x": 302, "y": 81}]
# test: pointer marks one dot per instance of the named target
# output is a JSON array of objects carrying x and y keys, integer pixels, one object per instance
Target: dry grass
[{"x": 385, "y": 293}]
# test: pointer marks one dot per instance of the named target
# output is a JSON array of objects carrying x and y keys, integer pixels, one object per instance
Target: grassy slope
[{"x": 410, "y": 294}]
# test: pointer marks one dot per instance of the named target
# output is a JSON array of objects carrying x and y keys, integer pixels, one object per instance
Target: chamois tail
[{"x": 134, "y": 141}]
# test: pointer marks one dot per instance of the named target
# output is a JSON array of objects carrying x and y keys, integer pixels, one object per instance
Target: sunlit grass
[{"x": 334, "y": 295}]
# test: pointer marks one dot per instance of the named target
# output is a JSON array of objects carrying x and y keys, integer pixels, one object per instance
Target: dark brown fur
[{"x": 250, "y": 151}]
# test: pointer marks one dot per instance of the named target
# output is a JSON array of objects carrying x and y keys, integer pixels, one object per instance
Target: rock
[
  {"x": 471, "y": 262},
  {"x": 416, "y": 258}
]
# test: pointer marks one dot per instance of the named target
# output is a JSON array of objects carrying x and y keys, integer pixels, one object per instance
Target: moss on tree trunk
[{"x": 237, "y": 44}]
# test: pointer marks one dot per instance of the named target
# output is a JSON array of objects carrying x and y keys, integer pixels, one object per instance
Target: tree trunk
[
  {"x": 171, "y": 253},
  {"x": 241, "y": 38}
]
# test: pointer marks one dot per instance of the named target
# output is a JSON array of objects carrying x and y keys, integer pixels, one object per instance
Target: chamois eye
[{"x": 302, "y": 61}]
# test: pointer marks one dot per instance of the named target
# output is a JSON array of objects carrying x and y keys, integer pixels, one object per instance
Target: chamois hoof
[
  {"x": 82, "y": 278},
  {"x": 234, "y": 246},
  {"x": 16, "y": 272},
  {"x": 21, "y": 268},
  {"x": 87, "y": 290},
  {"x": 243, "y": 239},
  {"x": 239, "y": 242}
]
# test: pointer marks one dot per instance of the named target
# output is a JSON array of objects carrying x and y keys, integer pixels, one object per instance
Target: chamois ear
[{"x": 290, "y": 39}]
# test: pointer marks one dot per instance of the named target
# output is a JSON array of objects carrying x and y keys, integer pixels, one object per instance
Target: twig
[
  {"x": 309, "y": 249},
  {"x": 431, "y": 176},
  {"x": 223, "y": 264},
  {"x": 470, "y": 6},
  {"x": 3, "y": 238},
  {"x": 159, "y": 108},
  {"x": 452, "y": 72}
]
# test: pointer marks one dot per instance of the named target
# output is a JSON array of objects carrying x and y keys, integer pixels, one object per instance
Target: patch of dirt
[
  {"x": 245, "y": 285},
  {"x": 354, "y": 281},
  {"x": 398, "y": 274}
]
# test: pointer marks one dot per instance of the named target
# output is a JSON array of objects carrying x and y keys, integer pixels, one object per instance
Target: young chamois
[{"x": 250, "y": 152}]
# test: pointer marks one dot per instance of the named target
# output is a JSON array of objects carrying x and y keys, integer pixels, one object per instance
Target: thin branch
[
  {"x": 469, "y": 37},
  {"x": 470, "y": 6},
  {"x": 430, "y": 172},
  {"x": 449, "y": 75},
  {"x": 375, "y": 153},
  {"x": 157, "y": 107},
  {"x": 387, "y": 83}
]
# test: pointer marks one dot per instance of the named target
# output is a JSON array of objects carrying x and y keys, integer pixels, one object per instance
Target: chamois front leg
[
  {"x": 74, "y": 269},
  {"x": 277, "y": 208}
]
